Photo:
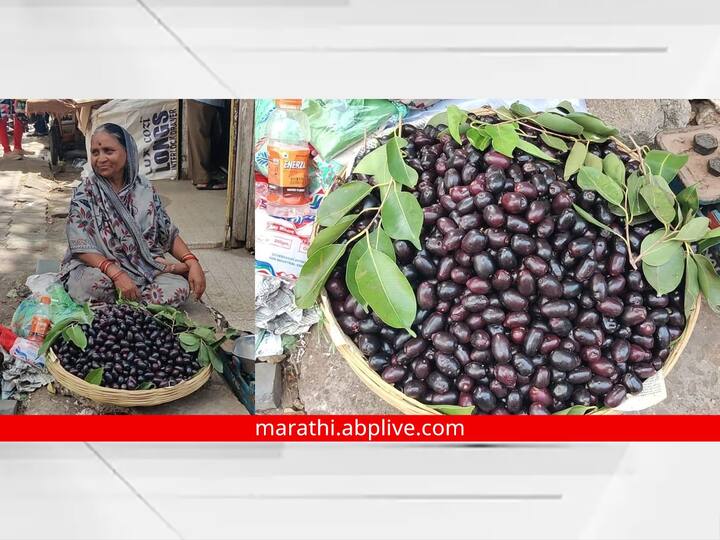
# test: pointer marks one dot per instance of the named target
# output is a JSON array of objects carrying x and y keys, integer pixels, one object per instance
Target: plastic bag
[
  {"x": 61, "y": 305},
  {"x": 23, "y": 316},
  {"x": 40, "y": 284},
  {"x": 336, "y": 124}
]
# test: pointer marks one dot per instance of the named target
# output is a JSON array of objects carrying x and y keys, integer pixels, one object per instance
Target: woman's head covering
[{"x": 130, "y": 227}]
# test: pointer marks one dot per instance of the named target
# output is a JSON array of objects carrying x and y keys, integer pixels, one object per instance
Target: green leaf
[
  {"x": 182, "y": 319},
  {"x": 656, "y": 251},
  {"x": 339, "y": 202},
  {"x": 232, "y": 333},
  {"x": 636, "y": 204},
  {"x": 399, "y": 170},
  {"x": 329, "y": 234},
  {"x": 75, "y": 334},
  {"x": 617, "y": 210},
  {"x": 533, "y": 150},
  {"x": 692, "y": 285},
  {"x": 665, "y": 164},
  {"x": 665, "y": 278},
  {"x": 575, "y": 160},
  {"x": 554, "y": 142},
  {"x": 402, "y": 216},
  {"x": 146, "y": 385},
  {"x": 356, "y": 253},
  {"x": 591, "y": 160},
  {"x": 505, "y": 114},
  {"x": 679, "y": 216},
  {"x": 592, "y": 124},
  {"x": 521, "y": 110},
  {"x": 566, "y": 106},
  {"x": 478, "y": 138},
  {"x": 689, "y": 200},
  {"x": 504, "y": 138},
  {"x": 189, "y": 342},
  {"x": 439, "y": 118},
  {"x": 378, "y": 239},
  {"x": 95, "y": 376},
  {"x": 577, "y": 410},
  {"x": 455, "y": 118},
  {"x": 215, "y": 359},
  {"x": 709, "y": 281},
  {"x": 203, "y": 355},
  {"x": 205, "y": 333},
  {"x": 558, "y": 123},
  {"x": 453, "y": 410},
  {"x": 592, "y": 137},
  {"x": 711, "y": 238},
  {"x": 659, "y": 201},
  {"x": 315, "y": 273},
  {"x": 594, "y": 180},
  {"x": 386, "y": 289},
  {"x": 694, "y": 230},
  {"x": 375, "y": 163},
  {"x": 614, "y": 168},
  {"x": 587, "y": 216},
  {"x": 59, "y": 327},
  {"x": 159, "y": 308},
  {"x": 642, "y": 218}
]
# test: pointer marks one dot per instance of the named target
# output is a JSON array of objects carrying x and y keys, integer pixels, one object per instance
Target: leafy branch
[
  {"x": 371, "y": 272},
  {"x": 666, "y": 255}
]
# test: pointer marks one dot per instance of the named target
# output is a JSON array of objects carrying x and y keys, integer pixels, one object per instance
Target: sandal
[{"x": 216, "y": 186}]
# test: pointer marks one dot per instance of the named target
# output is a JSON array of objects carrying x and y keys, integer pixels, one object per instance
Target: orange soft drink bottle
[
  {"x": 40, "y": 322},
  {"x": 288, "y": 134}
]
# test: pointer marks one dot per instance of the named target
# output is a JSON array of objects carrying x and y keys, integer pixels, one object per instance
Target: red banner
[{"x": 611, "y": 428}]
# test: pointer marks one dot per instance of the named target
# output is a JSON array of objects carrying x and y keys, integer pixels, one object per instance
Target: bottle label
[
  {"x": 39, "y": 326},
  {"x": 288, "y": 169}
]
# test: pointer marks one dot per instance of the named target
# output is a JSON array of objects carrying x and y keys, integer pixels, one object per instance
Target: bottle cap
[{"x": 289, "y": 103}]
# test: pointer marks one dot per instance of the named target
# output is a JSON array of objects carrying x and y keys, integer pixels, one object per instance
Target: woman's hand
[
  {"x": 127, "y": 287},
  {"x": 196, "y": 278},
  {"x": 177, "y": 268}
]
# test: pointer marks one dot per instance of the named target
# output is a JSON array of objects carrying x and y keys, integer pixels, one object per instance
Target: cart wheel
[{"x": 55, "y": 143}]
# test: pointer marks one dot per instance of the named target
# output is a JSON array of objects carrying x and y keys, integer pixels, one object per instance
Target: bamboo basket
[
  {"x": 407, "y": 405},
  {"x": 125, "y": 398}
]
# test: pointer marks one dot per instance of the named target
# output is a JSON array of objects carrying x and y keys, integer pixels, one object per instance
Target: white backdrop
[
  {"x": 362, "y": 48},
  {"x": 356, "y": 492}
]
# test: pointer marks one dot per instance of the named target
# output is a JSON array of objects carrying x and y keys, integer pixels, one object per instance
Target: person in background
[
  {"x": 12, "y": 108},
  {"x": 40, "y": 124},
  {"x": 118, "y": 233},
  {"x": 205, "y": 134}
]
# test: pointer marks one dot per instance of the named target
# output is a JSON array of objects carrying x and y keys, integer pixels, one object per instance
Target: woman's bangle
[
  {"x": 189, "y": 257},
  {"x": 104, "y": 265},
  {"x": 116, "y": 275}
]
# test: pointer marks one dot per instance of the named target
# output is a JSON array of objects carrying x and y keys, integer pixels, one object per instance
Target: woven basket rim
[
  {"x": 391, "y": 395},
  {"x": 125, "y": 398},
  {"x": 407, "y": 405}
]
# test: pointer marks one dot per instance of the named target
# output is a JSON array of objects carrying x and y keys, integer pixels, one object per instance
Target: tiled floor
[
  {"x": 231, "y": 288},
  {"x": 200, "y": 215}
]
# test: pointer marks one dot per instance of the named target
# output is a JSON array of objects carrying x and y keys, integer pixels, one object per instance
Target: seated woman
[{"x": 118, "y": 233}]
